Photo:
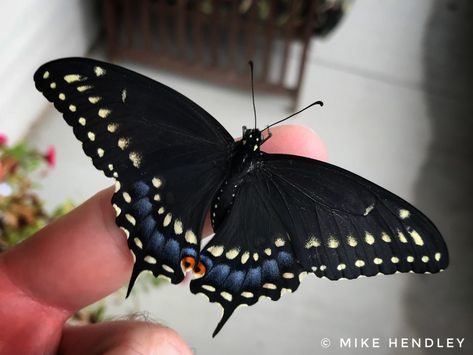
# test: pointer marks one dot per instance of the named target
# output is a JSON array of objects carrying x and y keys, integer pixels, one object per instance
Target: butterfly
[{"x": 276, "y": 217}]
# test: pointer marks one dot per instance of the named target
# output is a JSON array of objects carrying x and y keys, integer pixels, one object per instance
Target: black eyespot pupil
[
  {"x": 197, "y": 269},
  {"x": 187, "y": 264}
]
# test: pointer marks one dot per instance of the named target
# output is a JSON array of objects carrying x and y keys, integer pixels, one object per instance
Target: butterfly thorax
[{"x": 244, "y": 162}]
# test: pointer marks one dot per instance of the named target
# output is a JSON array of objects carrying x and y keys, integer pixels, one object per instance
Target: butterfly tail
[
  {"x": 227, "y": 312},
  {"x": 134, "y": 275}
]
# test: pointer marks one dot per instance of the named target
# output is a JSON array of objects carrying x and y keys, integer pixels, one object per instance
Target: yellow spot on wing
[
  {"x": 332, "y": 242},
  {"x": 190, "y": 237},
  {"x": 267, "y": 251},
  {"x": 378, "y": 261},
  {"x": 112, "y": 127},
  {"x": 279, "y": 242},
  {"x": 138, "y": 242},
  {"x": 72, "y": 108},
  {"x": 385, "y": 237},
  {"x": 226, "y": 296},
  {"x": 341, "y": 267},
  {"x": 244, "y": 257},
  {"x": 156, "y": 182},
  {"x": 83, "y": 88},
  {"x": 52, "y": 85},
  {"x": 269, "y": 286},
  {"x": 312, "y": 242},
  {"x": 70, "y": 78},
  {"x": 100, "y": 152},
  {"x": 62, "y": 96},
  {"x": 99, "y": 71},
  {"x": 247, "y": 294},
  {"x": 178, "y": 228},
  {"x": 216, "y": 250},
  {"x": 208, "y": 288},
  {"x": 403, "y": 214},
  {"x": 438, "y": 256},
  {"x": 167, "y": 268},
  {"x": 135, "y": 159},
  {"x": 416, "y": 237},
  {"x": 82, "y": 121},
  {"x": 359, "y": 263},
  {"x": 425, "y": 259},
  {"x": 104, "y": 112},
  {"x": 127, "y": 197},
  {"x": 401, "y": 237},
  {"x": 150, "y": 260},
  {"x": 369, "y": 239},
  {"x": 123, "y": 143},
  {"x": 94, "y": 99},
  {"x": 91, "y": 136},
  {"x": 130, "y": 219},
  {"x": 45, "y": 75},
  {"x": 394, "y": 259},
  {"x": 410, "y": 259},
  {"x": 288, "y": 275},
  {"x": 352, "y": 241},
  {"x": 232, "y": 253},
  {"x": 167, "y": 219}
]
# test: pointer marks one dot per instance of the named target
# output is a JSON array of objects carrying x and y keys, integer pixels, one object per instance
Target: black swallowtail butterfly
[{"x": 276, "y": 217}]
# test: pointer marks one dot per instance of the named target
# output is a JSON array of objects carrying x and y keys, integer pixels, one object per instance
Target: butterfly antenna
[
  {"x": 253, "y": 89},
  {"x": 288, "y": 117}
]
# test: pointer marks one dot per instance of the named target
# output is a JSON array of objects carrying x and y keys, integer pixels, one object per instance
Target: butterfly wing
[
  {"x": 293, "y": 215},
  {"x": 168, "y": 155}
]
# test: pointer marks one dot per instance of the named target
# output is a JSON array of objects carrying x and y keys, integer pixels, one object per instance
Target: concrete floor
[{"x": 396, "y": 81}]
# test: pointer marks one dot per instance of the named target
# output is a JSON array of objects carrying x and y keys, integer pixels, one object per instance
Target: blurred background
[{"x": 395, "y": 77}]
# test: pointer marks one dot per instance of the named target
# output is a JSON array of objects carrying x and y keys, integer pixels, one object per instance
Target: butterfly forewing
[{"x": 167, "y": 154}]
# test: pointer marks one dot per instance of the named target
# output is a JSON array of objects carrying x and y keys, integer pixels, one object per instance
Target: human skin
[{"x": 81, "y": 258}]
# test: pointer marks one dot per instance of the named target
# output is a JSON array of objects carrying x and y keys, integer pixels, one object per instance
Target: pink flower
[
  {"x": 50, "y": 156},
  {"x": 3, "y": 139}
]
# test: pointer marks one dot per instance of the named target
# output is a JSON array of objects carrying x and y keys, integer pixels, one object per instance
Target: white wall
[{"x": 31, "y": 33}]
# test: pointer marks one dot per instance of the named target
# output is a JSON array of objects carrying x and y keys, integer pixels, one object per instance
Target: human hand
[{"x": 81, "y": 258}]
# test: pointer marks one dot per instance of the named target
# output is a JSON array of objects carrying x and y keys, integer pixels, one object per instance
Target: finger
[
  {"x": 288, "y": 139},
  {"x": 122, "y": 337},
  {"x": 74, "y": 261}
]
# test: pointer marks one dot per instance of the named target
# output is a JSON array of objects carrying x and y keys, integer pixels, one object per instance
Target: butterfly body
[{"x": 276, "y": 217}]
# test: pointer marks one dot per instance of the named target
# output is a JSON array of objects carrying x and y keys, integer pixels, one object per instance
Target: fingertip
[{"x": 295, "y": 140}]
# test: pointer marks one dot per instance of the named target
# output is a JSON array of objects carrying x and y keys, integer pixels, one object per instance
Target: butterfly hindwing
[{"x": 167, "y": 154}]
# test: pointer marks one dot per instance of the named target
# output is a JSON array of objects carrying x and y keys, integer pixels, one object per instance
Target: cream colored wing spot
[
  {"x": 312, "y": 242},
  {"x": 437, "y": 256},
  {"x": 227, "y": 296},
  {"x": 410, "y": 259},
  {"x": 394, "y": 259},
  {"x": 150, "y": 260},
  {"x": 91, "y": 136},
  {"x": 123, "y": 143},
  {"x": 216, "y": 250},
  {"x": 123, "y": 95},
  {"x": 208, "y": 288},
  {"x": 232, "y": 253},
  {"x": 302, "y": 276},
  {"x": 416, "y": 237},
  {"x": 244, "y": 257},
  {"x": 104, "y": 112},
  {"x": 157, "y": 197},
  {"x": 167, "y": 268},
  {"x": 332, "y": 242},
  {"x": 99, "y": 71},
  {"x": 378, "y": 261},
  {"x": 323, "y": 267},
  {"x": 369, "y": 239},
  {"x": 161, "y": 210},
  {"x": 178, "y": 227},
  {"x": 267, "y": 251},
  {"x": 62, "y": 96},
  {"x": 117, "y": 209},
  {"x": 156, "y": 182},
  {"x": 189, "y": 236},
  {"x": 285, "y": 291},
  {"x": 167, "y": 220},
  {"x": 133, "y": 255},
  {"x": 269, "y": 286},
  {"x": 425, "y": 259},
  {"x": 130, "y": 218},
  {"x": 255, "y": 256},
  {"x": 94, "y": 99},
  {"x": 115, "y": 175},
  {"x": 341, "y": 267},
  {"x": 401, "y": 236},
  {"x": 100, "y": 152},
  {"x": 83, "y": 88},
  {"x": 403, "y": 214},
  {"x": 112, "y": 127},
  {"x": 52, "y": 85},
  {"x": 351, "y": 241},
  {"x": 82, "y": 121},
  {"x": 368, "y": 210},
  {"x": 72, "y": 108},
  {"x": 247, "y": 294},
  {"x": 138, "y": 242},
  {"x": 45, "y": 75},
  {"x": 385, "y": 237},
  {"x": 279, "y": 242},
  {"x": 288, "y": 275},
  {"x": 118, "y": 186},
  {"x": 359, "y": 263},
  {"x": 70, "y": 78},
  {"x": 110, "y": 167},
  {"x": 126, "y": 197},
  {"x": 135, "y": 159}
]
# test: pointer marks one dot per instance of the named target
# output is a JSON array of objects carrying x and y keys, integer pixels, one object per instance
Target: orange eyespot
[
  {"x": 187, "y": 263},
  {"x": 199, "y": 270}
]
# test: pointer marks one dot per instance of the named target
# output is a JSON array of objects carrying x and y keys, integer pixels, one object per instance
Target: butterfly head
[{"x": 252, "y": 139}]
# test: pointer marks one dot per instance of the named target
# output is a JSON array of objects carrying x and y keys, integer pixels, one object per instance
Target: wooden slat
[
  {"x": 233, "y": 37},
  {"x": 163, "y": 32},
  {"x": 288, "y": 31},
  {"x": 128, "y": 13},
  {"x": 145, "y": 24},
  {"x": 268, "y": 41}
]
